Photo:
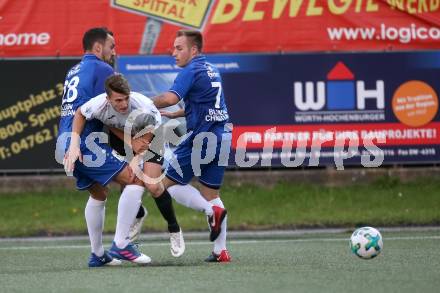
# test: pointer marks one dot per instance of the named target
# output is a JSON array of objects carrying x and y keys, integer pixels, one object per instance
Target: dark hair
[
  {"x": 117, "y": 83},
  {"x": 93, "y": 35},
  {"x": 195, "y": 38}
]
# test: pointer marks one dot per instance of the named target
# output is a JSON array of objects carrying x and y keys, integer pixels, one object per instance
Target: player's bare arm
[
  {"x": 74, "y": 152},
  {"x": 173, "y": 115},
  {"x": 165, "y": 100}
]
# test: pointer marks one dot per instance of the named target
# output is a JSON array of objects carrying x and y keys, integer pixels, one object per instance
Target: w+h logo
[{"x": 341, "y": 91}]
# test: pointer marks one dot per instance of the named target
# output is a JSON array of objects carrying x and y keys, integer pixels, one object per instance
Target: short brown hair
[
  {"x": 195, "y": 37},
  {"x": 117, "y": 83}
]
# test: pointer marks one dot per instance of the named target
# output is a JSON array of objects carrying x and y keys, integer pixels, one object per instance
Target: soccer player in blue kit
[
  {"x": 204, "y": 153},
  {"x": 100, "y": 164}
]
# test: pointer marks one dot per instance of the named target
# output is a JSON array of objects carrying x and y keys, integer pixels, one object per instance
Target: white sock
[
  {"x": 95, "y": 215},
  {"x": 187, "y": 195},
  {"x": 220, "y": 242},
  {"x": 128, "y": 206}
]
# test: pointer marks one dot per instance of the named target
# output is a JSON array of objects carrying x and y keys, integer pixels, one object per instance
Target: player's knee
[
  {"x": 209, "y": 193},
  {"x": 154, "y": 189},
  {"x": 100, "y": 197},
  {"x": 210, "y": 197},
  {"x": 137, "y": 181},
  {"x": 98, "y": 192}
]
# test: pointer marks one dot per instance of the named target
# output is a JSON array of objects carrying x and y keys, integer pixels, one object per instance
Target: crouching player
[
  {"x": 137, "y": 112},
  {"x": 115, "y": 108}
]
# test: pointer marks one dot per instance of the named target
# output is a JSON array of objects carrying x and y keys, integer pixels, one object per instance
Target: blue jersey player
[
  {"x": 203, "y": 153},
  {"x": 100, "y": 164}
]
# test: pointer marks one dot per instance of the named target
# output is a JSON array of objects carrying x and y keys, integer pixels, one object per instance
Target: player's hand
[
  {"x": 139, "y": 145},
  {"x": 73, "y": 154}
]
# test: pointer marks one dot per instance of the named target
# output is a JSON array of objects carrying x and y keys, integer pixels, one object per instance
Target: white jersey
[{"x": 146, "y": 115}]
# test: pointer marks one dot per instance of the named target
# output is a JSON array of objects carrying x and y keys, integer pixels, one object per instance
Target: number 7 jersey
[
  {"x": 199, "y": 85},
  {"x": 84, "y": 81}
]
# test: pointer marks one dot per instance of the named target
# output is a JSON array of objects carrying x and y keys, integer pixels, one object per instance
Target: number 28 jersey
[{"x": 84, "y": 81}]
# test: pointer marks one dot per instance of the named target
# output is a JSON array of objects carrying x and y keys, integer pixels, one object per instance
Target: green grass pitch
[{"x": 410, "y": 262}]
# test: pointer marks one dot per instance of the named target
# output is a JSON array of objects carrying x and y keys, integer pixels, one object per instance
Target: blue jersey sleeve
[
  {"x": 102, "y": 72},
  {"x": 183, "y": 83}
]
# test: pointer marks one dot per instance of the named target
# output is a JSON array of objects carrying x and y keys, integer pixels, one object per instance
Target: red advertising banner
[
  {"x": 55, "y": 28},
  {"x": 389, "y": 134}
]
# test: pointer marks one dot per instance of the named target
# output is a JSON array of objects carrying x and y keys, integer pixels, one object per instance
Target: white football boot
[
  {"x": 135, "y": 228},
  {"x": 177, "y": 244}
]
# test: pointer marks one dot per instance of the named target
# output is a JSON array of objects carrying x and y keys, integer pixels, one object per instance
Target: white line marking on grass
[
  {"x": 274, "y": 241},
  {"x": 263, "y": 234}
]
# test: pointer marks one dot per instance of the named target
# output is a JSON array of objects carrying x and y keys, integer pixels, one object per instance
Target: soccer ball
[{"x": 366, "y": 242}]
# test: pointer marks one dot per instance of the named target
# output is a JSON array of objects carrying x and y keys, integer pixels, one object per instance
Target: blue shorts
[
  {"x": 99, "y": 171},
  {"x": 210, "y": 174}
]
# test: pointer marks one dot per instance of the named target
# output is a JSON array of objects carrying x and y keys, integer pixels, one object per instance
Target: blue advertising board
[{"x": 320, "y": 109}]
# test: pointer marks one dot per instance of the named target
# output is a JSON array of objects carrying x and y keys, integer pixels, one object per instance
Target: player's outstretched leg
[{"x": 189, "y": 196}]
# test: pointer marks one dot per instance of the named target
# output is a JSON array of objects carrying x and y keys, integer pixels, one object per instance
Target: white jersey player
[
  {"x": 101, "y": 108},
  {"x": 116, "y": 108}
]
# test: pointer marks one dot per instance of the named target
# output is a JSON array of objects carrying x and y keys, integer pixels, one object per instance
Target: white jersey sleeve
[{"x": 93, "y": 107}]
